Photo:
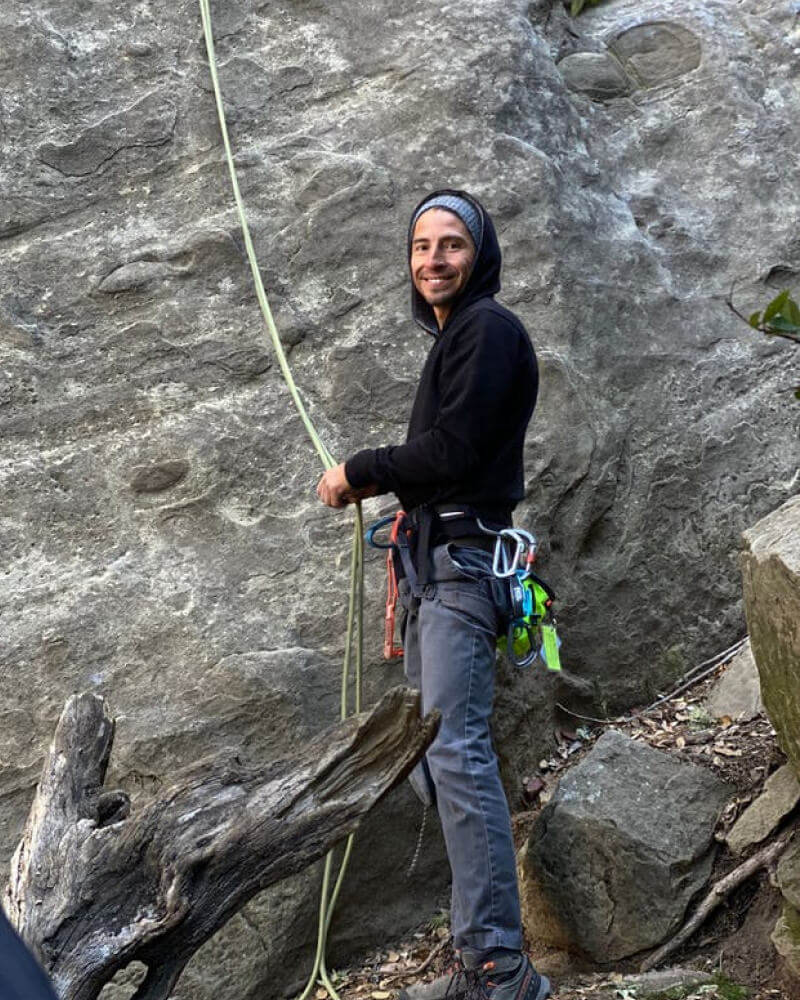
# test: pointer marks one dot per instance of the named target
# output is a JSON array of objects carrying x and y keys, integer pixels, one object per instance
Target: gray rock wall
[{"x": 161, "y": 540}]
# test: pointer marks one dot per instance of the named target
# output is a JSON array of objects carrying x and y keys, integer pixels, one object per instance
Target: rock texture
[
  {"x": 771, "y": 577},
  {"x": 780, "y": 796},
  {"x": 621, "y": 848},
  {"x": 788, "y": 874},
  {"x": 786, "y": 938},
  {"x": 737, "y": 693},
  {"x": 162, "y": 544}
]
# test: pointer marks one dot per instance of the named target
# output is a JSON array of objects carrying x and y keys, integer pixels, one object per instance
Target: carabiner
[
  {"x": 371, "y": 531},
  {"x": 520, "y": 625}
]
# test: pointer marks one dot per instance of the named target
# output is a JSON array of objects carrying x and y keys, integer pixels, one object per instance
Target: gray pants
[{"x": 449, "y": 641}]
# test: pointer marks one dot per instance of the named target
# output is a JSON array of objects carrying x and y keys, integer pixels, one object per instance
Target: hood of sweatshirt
[{"x": 484, "y": 279}]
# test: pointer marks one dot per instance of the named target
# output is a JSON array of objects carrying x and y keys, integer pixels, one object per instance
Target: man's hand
[{"x": 335, "y": 491}]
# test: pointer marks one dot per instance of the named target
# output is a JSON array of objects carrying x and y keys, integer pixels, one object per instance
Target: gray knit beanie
[{"x": 464, "y": 209}]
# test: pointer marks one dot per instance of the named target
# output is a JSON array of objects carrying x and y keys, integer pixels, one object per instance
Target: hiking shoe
[
  {"x": 511, "y": 977},
  {"x": 452, "y": 986}
]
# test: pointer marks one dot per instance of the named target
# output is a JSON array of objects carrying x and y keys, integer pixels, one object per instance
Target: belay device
[{"x": 532, "y": 629}]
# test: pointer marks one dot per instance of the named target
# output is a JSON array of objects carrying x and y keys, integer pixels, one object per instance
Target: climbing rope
[{"x": 355, "y": 612}]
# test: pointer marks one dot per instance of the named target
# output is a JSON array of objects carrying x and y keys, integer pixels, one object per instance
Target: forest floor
[{"x": 733, "y": 944}]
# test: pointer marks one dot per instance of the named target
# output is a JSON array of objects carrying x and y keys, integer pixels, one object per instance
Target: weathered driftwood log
[{"x": 93, "y": 888}]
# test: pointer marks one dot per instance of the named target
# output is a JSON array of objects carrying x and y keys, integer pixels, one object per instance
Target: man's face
[{"x": 442, "y": 254}]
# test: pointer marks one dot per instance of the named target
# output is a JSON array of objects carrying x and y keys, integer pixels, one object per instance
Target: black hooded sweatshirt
[{"x": 475, "y": 398}]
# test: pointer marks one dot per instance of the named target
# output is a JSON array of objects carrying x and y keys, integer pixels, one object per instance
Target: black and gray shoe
[
  {"x": 453, "y": 985},
  {"x": 510, "y": 977}
]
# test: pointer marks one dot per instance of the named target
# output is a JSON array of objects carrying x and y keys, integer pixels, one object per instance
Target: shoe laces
[
  {"x": 475, "y": 982},
  {"x": 466, "y": 983}
]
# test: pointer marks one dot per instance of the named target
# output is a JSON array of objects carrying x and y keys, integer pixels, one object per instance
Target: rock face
[
  {"x": 786, "y": 936},
  {"x": 771, "y": 577},
  {"x": 780, "y": 796},
  {"x": 788, "y": 875},
  {"x": 621, "y": 848},
  {"x": 162, "y": 544}
]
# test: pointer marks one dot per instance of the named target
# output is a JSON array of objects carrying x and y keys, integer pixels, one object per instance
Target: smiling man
[{"x": 458, "y": 474}]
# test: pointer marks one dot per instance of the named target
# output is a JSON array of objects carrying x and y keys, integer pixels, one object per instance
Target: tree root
[{"x": 719, "y": 891}]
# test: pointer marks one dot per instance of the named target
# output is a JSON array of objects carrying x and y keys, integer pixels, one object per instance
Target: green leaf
[
  {"x": 754, "y": 319},
  {"x": 797, "y": 393},
  {"x": 781, "y": 323},
  {"x": 791, "y": 311},
  {"x": 776, "y": 305},
  {"x": 577, "y": 7}
]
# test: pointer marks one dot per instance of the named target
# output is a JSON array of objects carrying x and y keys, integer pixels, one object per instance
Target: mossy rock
[{"x": 771, "y": 577}]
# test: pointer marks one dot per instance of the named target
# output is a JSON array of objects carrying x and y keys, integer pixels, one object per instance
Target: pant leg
[
  {"x": 420, "y": 777},
  {"x": 456, "y": 630}
]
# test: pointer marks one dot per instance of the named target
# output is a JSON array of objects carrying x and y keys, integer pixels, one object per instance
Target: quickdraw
[{"x": 391, "y": 650}]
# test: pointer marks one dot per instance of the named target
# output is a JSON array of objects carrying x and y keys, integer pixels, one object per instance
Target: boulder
[
  {"x": 771, "y": 577},
  {"x": 621, "y": 848},
  {"x": 737, "y": 693},
  {"x": 780, "y": 796}
]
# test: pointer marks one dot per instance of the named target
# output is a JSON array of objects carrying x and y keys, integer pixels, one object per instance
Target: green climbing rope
[{"x": 355, "y": 614}]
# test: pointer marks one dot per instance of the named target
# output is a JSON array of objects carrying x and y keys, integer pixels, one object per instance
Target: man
[{"x": 458, "y": 476}]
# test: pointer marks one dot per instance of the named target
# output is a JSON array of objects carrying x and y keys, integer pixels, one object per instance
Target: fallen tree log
[{"x": 94, "y": 888}]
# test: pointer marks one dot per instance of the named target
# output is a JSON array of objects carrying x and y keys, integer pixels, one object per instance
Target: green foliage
[
  {"x": 729, "y": 990},
  {"x": 781, "y": 318},
  {"x": 577, "y": 6},
  {"x": 699, "y": 717}
]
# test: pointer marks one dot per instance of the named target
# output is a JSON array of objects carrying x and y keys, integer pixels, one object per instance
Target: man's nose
[{"x": 435, "y": 257}]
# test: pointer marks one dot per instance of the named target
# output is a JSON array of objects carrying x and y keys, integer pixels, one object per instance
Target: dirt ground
[{"x": 734, "y": 942}]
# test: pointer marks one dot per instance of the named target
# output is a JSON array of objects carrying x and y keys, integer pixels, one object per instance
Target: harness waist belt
[{"x": 436, "y": 524}]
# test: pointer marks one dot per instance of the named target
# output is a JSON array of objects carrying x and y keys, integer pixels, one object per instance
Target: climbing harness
[
  {"x": 355, "y": 614},
  {"x": 525, "y": 601}
]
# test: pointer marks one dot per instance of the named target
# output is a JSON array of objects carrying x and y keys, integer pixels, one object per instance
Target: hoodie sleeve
[{"x": 475, "y": 382}]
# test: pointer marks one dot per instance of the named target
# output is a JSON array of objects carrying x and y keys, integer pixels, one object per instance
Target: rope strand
[{"x": 355, "y": 613}]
